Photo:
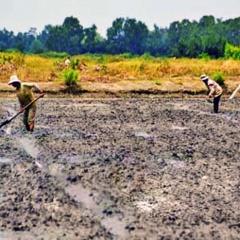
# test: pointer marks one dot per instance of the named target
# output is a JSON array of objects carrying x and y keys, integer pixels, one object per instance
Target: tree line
[{"x": 192, "y": 39}]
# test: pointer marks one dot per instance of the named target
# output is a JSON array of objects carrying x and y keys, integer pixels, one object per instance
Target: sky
[{"x": 21, "y": 15}]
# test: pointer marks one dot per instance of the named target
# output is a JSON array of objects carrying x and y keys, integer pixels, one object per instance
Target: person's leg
[
  {"x": 31, "y": 118},
  {"x": 25, "y": 119},
  {"x": 216, "y": 102}
]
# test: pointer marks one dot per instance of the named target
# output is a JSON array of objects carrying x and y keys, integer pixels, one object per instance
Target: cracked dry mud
[{"x": 121, "y": 169}]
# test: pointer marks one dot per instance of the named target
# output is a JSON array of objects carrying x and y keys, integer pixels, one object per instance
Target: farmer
[
  {"x": 214, "y": 91},
  {"x": 25, "y": 96},
  {"x": 67, "y": 62}
]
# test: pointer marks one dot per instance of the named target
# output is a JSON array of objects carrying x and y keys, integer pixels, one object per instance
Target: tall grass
[{"x": 116, "y": 68}]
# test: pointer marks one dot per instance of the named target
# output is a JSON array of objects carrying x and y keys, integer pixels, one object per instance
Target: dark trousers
[{"x": 216, "y": 102}]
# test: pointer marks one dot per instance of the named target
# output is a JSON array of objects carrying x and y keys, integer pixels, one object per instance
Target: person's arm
[
  {"x": 212, "y": 88},
  {"x": 211, "y": 93},
  {"x": 33, "y": 86},
  {"x": 208, "y": 90},
  {"x": 37, "y": 88}
]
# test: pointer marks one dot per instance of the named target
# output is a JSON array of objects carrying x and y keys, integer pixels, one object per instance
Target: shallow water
[
  {"x": 113, "y": 224},
  {"x": 29, "y": 145},
  {"x": 5, "y": 160}
]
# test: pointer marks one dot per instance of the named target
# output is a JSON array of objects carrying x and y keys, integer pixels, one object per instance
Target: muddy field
[{"x": 121, "y": 169}]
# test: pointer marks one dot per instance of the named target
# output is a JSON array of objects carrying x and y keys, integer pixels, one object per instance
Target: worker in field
[
  {"x": 25, "y": 96},
  {"x": 214, "y": 91},
  {"x": 67, "y": 62}
]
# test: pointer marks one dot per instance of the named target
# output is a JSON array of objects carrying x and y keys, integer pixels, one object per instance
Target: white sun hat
[
  {"x": 13, "y": 79},
  {"x": 204, "y": 77}
]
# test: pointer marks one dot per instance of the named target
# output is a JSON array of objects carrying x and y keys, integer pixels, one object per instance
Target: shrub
[
  {"x": 74, "y": 63},
  {"x": 147, "y": 55},
  {"x": 204, "y": 56},
  {"x": 16, "y": 58},
  {"x": 54, "y": 55},
  {"x": 71, "y": 81},
  {"x": 231, "y": 52},
  {"x": 70, "y": 77},
  {"x": 219, "y": 78}
]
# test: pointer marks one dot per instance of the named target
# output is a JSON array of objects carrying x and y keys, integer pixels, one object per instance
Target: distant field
[{"x": 121, "y": 72}]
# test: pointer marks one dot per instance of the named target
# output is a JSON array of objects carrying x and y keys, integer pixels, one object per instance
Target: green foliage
[
  {"x": 70, "y": 78},
  {"x": 219, "y": 78},
  {"x": 129, "y": 37},
  {"x": 13, "y": 57},
  {"x": 127, "y": 55},
  {"x": 36, "y": 47},
  {"x": 12, "y": 50},
  {"x": 204, "y": 56},
  {"x": 147, "y": 55},
  {"x": 74, "y": 63},
  {"x": 232, "y": 52},
  {"x": 55, "y": 55}
]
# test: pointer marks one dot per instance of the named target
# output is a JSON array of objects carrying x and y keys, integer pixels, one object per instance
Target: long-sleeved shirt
[
  {"x": 214, "y": 89},
  {"x": 25, "y": 94}
]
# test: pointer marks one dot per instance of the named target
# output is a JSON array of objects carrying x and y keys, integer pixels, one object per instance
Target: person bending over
[
  {"x": 25, "y": 96},
  {"x": 214, "y": 91}
]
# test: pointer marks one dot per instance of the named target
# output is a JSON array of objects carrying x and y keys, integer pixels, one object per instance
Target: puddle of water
[
  {"x": 29, "y": 146},
  {"x": 117, "y": 227},
  {"x": 8, "y": 130},
  {"x": 75, "y": 159},
  {"x": 89, "y": 105},
  {"x": 56, "y": 170},
  {"x": 112, "y": 224},
  {"x": 175, "y": 163},
  {"x": 83, "y": 195},
  {"x": 4, "y": 235},
  {"x": 5, "y": 160},
  {"x": 142, "y": 134},
  {"x": 179, "y": 128},
  {"x": 144, "y": 206}
]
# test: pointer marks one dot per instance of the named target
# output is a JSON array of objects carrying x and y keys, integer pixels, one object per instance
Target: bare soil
[{"x": 121, "y": 168}]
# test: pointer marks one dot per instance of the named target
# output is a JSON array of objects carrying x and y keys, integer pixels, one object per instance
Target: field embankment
[{"x": 120, "y": 74}]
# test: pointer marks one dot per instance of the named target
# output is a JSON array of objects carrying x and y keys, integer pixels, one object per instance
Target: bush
[
  {"x": 231, "y": 52},
  {"x": 71, "y": 81},
  {"x": 219, "y": 78},
  {"x": 16, "y": 58},
  {"x": 74, "y": 63},
  {"x": 54, "y": 55},
  {"x": 70, "y": 77},
  {"x": 204, "y": 56},
  {"x": 147, "y": 55}
]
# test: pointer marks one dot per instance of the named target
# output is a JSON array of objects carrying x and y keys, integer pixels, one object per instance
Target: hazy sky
[{"x": 21, "y": 15}]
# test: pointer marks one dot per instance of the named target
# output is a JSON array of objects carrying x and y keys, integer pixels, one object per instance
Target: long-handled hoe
[
  {"x": 235, "y": 92},
  {"x": 9, "y": 120}
]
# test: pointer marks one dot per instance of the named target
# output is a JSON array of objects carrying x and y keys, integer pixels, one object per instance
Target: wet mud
[{"x": 121, "y": 169}]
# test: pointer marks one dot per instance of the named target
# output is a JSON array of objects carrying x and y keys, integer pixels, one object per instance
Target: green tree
[
  {"x": 127, "y": 35},
  {"x": 92, "y": 41},
  {"x": 36, "y": 47},
  {"x": 157, "y": 43},
  {"x": 66, "y": 38},
  {"x": 73, "y": 35},
  {"x": 115, "y": 37}
]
